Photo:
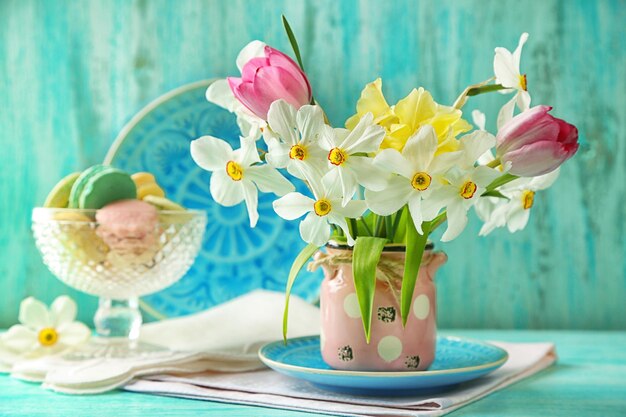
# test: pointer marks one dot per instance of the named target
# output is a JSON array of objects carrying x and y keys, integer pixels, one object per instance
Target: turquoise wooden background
[{"x": 73, "y": 72}]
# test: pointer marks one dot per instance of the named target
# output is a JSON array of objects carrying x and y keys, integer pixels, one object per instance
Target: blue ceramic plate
[
  {"x": 234, "y": 259},
  {"x": 456, "y": 360}
]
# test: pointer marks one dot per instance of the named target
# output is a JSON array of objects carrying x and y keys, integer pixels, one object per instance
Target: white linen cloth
[
  {"x": 271, "y": 389},
  {"x": 225, "y": 338}
]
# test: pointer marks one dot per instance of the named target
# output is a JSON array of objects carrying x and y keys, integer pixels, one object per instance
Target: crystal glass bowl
[{"x": 78, "y": 251}]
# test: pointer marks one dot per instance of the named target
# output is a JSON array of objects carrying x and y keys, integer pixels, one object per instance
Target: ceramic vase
[{"x": 392, "y": 347}]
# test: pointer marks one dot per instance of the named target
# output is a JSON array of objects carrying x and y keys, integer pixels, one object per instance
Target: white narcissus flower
[
  {"x": 419, "y": 174},
  {"x": 236, "y": 174},
  {"x": 464, "y": 184},
  {"x": 321, "y": 212},
  {"x": 514, "y": 212},
  {"x": 294, "y": 140},
  {"x": 506, "y": 67},
  {"x": 347, "y": 156},
  {"x": 43, "y": 331}
]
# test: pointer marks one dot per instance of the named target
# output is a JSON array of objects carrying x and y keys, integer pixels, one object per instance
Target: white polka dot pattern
[
  {"x": 389, "y": 348},
  {"x": 421, "y": 307},
  {"x": 351, "y": 306}
]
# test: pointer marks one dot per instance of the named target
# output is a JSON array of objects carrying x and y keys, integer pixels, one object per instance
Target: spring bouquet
[{"x": 393, "y": 174}]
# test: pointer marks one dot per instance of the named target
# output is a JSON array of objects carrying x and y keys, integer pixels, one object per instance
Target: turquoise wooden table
[{"x": 589, "y": 379}]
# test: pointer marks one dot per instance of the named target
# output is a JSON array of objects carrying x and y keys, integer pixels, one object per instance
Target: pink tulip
[
  {"x": 269, "y": 78},
  {"x": 536, "y": 143}
]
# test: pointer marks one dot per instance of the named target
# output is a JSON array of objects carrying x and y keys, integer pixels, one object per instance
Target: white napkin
[
  {"x": 225, "y": 338},
  {"x": 271, "y": 389}
]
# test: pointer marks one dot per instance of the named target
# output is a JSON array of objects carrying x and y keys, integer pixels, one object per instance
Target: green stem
[
  {"x": 366, "y": 226},
  {"x": 438, "y": 221},
  {"x": 378, "y": 226},
  {"x": 500, "y": 181},
  {"x": 388, "y": 226},
  {"x": 495, "y": 163},
  {"x": 396, "y": 224},
  {"x": 354, "y": 228}
]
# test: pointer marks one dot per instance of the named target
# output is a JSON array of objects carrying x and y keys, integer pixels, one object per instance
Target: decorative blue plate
[
  {"x": 234, "y": 259},
  {"x": 456, "y": 360}
]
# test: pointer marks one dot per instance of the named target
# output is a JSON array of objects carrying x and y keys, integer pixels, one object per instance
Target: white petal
[
  {"x": 483, "y": 176},
  {"x": 341, "y": 222},
  {"x": 390, "y": 160},
  {"x": 310, "y": 121},
  {"x": 518, "y": 51},
  {"x": 254, "y": 49},
  {"x": 72, "y": 334},
  {"x": 20, "y": 338},
  {"x": 293, "y": 205},
  {"x": 251, "y": 196},
  {"x": 415, "y": 209},
  {"x": 438, "y": 199},
  {"x": 420, "y": 148},
  {"x": 277, "y": 154},
  {"x": 504, "y": 67},
  {"x": 269, "y": 180},
  {"x": 391, "y": 199},
  {"x": 367, "y": 174},
  {"x": 523, "y": 100},
  {"x": 62, "y": 310},
  {"x": 475, "y": 144},
  {"x": 211, "y": 153},
  {"x": 224, "y": 189},
  {"x": 34, "y": 314},
  {"x": 248, "y": 153},
  {"x": 349, "y": 185},
  {"x": 281, "y": 118},
  {"x": 365, "y": 137},
  {"x": 457, "y": 220},
  {"x": 442, "y": 163},
  {"x": 506, "y": 112},
  {"x": 518, "y": 219},
  {"x": 479, "y": 119},
  {"x": 329, "y": 138},
  {"x": 353, "y": 210},
  {"x": 219, "y": 93},
  {"x": 315, "y": 229},
  {"x": 544, "y": 181}
]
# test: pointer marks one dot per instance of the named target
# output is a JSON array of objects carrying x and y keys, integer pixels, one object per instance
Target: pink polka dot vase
[{"x": 392, "y": 347}]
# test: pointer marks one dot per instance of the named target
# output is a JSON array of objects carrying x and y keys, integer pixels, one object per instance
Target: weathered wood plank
[{"x": 71, "y": 74}]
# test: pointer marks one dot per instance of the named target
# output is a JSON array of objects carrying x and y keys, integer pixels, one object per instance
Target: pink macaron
[{"x": 128, "y": 225}]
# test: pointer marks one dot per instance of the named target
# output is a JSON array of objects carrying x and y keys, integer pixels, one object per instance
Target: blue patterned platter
[
  {"x": 456, "y": 360},
  {"x": 234, "y": 259}
]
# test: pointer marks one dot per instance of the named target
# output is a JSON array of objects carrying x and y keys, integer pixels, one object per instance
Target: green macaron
[{"x": 100, "y": 185}]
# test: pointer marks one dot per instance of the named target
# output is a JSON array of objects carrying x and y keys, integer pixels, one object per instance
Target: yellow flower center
[
  {"x": 48, "y": 336},
  {"x": 523, "y": 82},
  {"x": 297, "y": 152},
  {"x": 322, "y": 207},
  {"x": 468, "y": 189},
  {"x": 421, "y": 181},
  {"x": 234, "y": 170},
  {"x": 528, "y": 198},
  {"x": 337, "y": 156}
]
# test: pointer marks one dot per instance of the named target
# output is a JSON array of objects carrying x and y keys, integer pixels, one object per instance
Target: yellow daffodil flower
[{"x": 404, "y": 119}]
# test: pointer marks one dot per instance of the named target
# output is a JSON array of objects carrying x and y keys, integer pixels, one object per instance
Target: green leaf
[
  {"x": 493, "y": 193},
  {"x": 365, "y": 257},
  {"x": 293, "y": 41},
  {"x": 506, "y": 178},
  {"x": 484, "y": 89},
  {"x": 415, "y": 244},
  {"x": 297, "y": 265}
]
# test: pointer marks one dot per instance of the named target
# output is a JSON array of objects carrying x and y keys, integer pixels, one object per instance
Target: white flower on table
[
  {"x": 418, "y": 174},
  {"x": 514, "y": 212},
  {"x": 43, "y": 331},
  {"x": 506, "y": 67},
  {"x": 236, "y": 174},
  {"x": 322, "y": 211},
  {"x": 463, "y": 184},
  {"x": 347, "y": 156},
  {"x": 293, "y": 142}
]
